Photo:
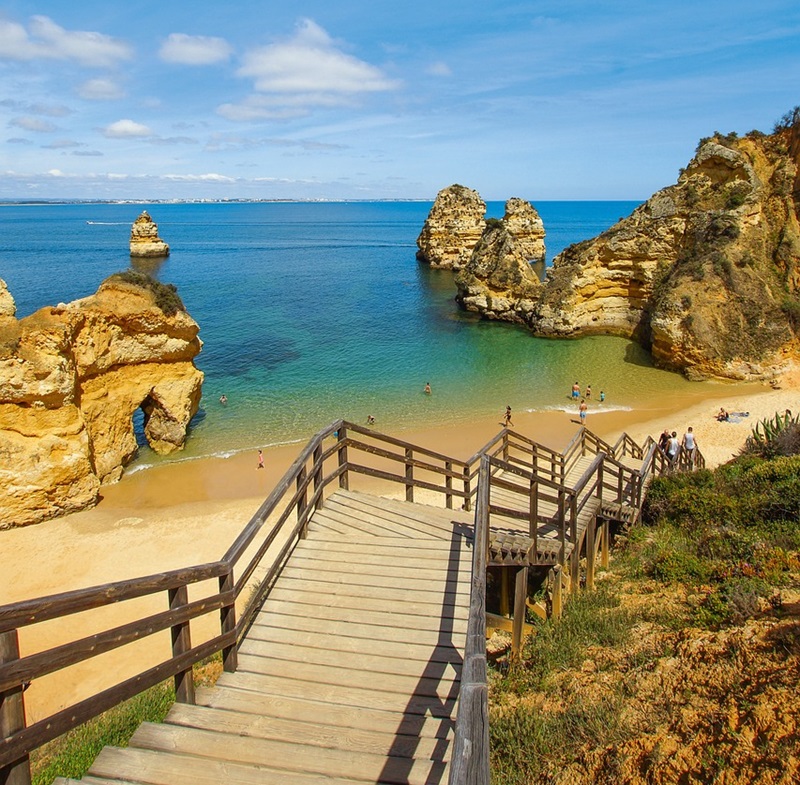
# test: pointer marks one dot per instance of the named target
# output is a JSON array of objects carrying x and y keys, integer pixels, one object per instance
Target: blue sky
[{"x": 363, "y": 100}]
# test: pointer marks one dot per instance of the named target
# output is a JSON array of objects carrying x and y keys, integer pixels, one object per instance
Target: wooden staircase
[{"x": 349, "y": 673}]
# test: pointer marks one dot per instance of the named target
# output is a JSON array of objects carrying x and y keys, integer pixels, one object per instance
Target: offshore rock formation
[
  {"x": 71, "y": 378},
  {"x": 7, "y": 306},
  {"x": 706, "y": 273},
  {"x": 144, "y": 238},
  {"x": 453, "y": 228},
  {"x": 498, "y": 281}
]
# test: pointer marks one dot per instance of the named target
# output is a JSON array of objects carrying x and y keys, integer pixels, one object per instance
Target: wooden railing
[
  {"x": 253, "y": 560},
  {"x": 469, "y": 764}
]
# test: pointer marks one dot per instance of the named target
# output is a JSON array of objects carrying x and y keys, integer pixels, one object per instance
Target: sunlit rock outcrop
[
  {"x": 71, "y": 378},
  {"x": 145, "y": 241},
  {"x": 453, "y": 228}
]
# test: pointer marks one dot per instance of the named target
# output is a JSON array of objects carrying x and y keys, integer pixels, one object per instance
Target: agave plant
[{"x": 766, "y": 436}]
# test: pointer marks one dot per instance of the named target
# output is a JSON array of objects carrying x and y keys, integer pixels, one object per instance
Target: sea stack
[
  {"x": 452, "y": 229},
  {"x": 145, "y": 241},
  {"x": 71, "y": 379}
]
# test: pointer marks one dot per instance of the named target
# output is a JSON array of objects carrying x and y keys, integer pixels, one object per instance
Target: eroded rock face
[
  {"x": 453, "y": 228},
  {"x": 145, "y": 241},
  {"x": 7, "y": 305},
  {"x": 71, "y": 378},
  {"x": 706, "y": 273},
  {"x": 498, "y": 281}
]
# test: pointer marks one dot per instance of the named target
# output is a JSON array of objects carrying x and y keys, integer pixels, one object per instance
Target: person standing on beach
[
  {"x": 576, "y": 391},
  {"x": 688, "y": 444},
  {"x": 673, "y": 448},
  {"x": 507, "y": 418},
  {"x": 260, "y": 460},
  {"x": 582, "y": 409}
]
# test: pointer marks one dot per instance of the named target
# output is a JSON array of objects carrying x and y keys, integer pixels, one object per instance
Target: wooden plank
[
  {"x": 384, "y": 566},
  {"x": 252, "y": 659},
  {"x": 439, "y": 681},
  {"x": 156, "y": 768},
  {"x": 314, "y": 733},
  {"x": 386, "y": 563},
  {"x": 447, "y": 593},
  {"x": 409, "y": 522},
  {"x": 385, "y": 522},
  {"x": 359, "y": 605},
  {"x": 298, "y": 639},
  {"x": 403, "y": 698},
  {"x": 342, "y": 716},
  {"x": 392, "y": 548},
  {"x": 355, "y": 629},
  {"x": 337, "y": 573},
  {"x": 288, "y": 757},
  {"x": 442, "y": 516}
]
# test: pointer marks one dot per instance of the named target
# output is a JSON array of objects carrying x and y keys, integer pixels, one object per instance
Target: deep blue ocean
[{"x": 313, "y": 311}]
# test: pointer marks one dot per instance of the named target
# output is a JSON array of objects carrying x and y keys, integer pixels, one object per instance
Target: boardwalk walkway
[
  {"x": 350, "y": 625},
  {"x": 350, "y": 672}
]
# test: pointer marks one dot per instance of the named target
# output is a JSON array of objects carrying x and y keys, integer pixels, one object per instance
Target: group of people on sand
[
  {"x": 672, "y": 446},
  {"x": 583, "y": 406}
]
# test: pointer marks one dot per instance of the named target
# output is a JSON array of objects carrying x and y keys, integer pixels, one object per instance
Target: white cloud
[
  {"x": 62, "y": 144},
  {"x": 45, "y": 40},
  {"x": 34, "y": 124},
  {"x": 310, "y": 63},
  {"x": 194, "y": 49},
  {"x": 211, "y": 177},
  {"x": 47, "y": 110},
  {"x": 18, "y": 140},
  {"x": 126, "y": 129},
  {"x": 100, "y": 90},
  {"x": 439, "y": 69}
]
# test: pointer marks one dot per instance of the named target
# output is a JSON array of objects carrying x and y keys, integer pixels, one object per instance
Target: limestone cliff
[
  {"x": 71, "y": 378},
  {"x": 145, "y": 241},
  {"x": 706, "y": 272},
  {"x": 452, "y": 229},
  {"x": 498, "y": 281}
]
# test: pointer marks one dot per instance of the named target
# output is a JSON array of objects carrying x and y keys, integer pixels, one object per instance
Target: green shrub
[
  {"x": 733, "y": 602},
  {"x": 165, "y": 295}
]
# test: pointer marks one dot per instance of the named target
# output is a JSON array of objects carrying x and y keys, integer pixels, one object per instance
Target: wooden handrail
[{"x": 469, "y": 764}]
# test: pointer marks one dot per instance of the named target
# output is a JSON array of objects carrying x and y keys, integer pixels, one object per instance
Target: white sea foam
[{"x": 572, "y": 408}]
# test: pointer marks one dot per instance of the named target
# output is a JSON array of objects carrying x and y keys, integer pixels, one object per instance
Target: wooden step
[
  {"x": 312, "y": 731},
  {"x": 299, "y": 640},
  {"x": 150, "y": 767},
  {"x": 295, "y": 617},
  {"x": 254, "y": 650},
  {"x": 385, "y": 618},
  {"x": 439, "y": 705},
  {"x": 341, "y": 716},
  {"x": 289, "y": 757}
]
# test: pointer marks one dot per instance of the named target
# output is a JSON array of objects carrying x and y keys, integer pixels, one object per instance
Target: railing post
[
  {"x": 318, "y": 474},
  {"x": 591, "y": 551},
  {"x": 12, "y": 714},
  {"x": 467, "y": 490},
  {"x": 533, "y": 512},
  {"x": 181, "y": 643},
  {"x": 520, "y": 596},
  {"x": 448, "y": 485},
  {"x": 575, "y": 559},
  {"x": 302, "y": 501},
  {"x": 409, "y": 475},
  {"x": 227, "y": 620},
  {"x": 505, "y": 446},
  {"x": 562, "y": 527},
  {"x": 344, "y": 482}
]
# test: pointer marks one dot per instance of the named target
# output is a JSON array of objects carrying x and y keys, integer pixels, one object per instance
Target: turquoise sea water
[{"x": 313, "y": 311}]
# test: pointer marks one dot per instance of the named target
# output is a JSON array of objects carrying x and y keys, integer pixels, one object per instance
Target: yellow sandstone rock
[{"x": 71, "y": 378}]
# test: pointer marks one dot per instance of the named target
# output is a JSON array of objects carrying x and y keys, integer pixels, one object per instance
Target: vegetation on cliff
[
  {"x": 682, "y": 666},
  {"x": 165, "y": 295}
]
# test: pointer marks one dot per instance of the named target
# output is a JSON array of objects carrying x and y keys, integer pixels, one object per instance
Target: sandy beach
[{"x": 189, "y": 512}]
